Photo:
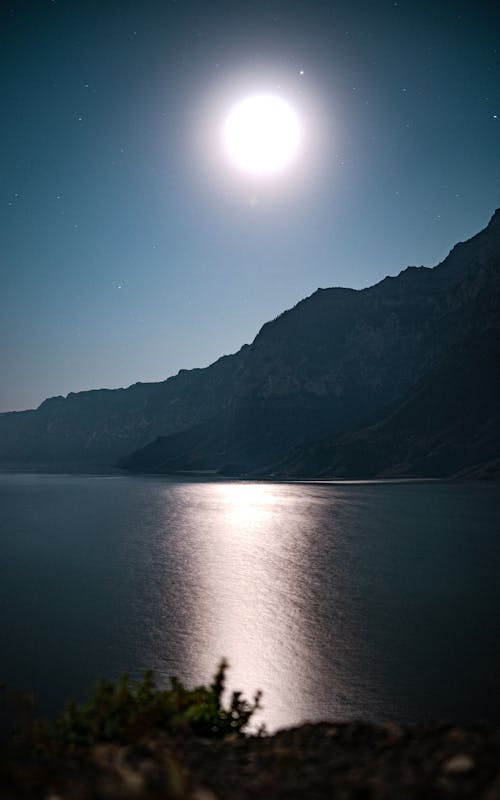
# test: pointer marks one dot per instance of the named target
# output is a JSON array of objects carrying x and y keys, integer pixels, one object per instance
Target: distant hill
[
  {"x": 92, "y": 430},
  {"x": 397, "y": 379}
]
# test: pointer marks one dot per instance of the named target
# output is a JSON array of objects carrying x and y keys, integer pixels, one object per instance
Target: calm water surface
[{"x": 338, "y": 601}]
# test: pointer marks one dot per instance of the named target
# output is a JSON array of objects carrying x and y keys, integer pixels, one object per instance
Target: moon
[{"x": 262, "y": 135}]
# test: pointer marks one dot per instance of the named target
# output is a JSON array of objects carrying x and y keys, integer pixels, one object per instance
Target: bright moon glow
[{"x": 262, "y": 134}]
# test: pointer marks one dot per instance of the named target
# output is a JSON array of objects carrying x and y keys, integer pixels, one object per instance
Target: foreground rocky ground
[{"x": 349, "y": 761}]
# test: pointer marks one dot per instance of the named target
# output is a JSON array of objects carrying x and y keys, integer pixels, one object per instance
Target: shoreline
[{"x": 201, "y": 477}]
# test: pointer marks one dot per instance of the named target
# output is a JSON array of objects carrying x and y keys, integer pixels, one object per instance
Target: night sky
[{"x": 131, "y": 247}]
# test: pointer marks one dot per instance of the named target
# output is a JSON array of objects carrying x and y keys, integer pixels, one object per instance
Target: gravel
[{"x": 345, "y": 761}]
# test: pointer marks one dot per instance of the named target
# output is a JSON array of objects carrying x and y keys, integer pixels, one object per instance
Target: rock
[{"x": 460, "y": 764}]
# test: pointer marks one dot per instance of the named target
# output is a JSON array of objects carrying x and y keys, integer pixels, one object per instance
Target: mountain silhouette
[
  {"x": 400, "y": 379},
  {"x": 448, "y": 424},
  {"x": 93, "y": 429}
]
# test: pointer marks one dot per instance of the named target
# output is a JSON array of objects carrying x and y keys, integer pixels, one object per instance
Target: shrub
[{"x": 126, "y": 711}]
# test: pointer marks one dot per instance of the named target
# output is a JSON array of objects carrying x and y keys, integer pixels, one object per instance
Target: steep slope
[
  {"x": 96, "y": 428},
  {"x": 339, "y": 357},
  {"x": 448, "y": 423}
]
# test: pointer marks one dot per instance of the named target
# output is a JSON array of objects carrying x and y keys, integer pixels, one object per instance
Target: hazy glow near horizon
[{"x": 262, "y": 134}]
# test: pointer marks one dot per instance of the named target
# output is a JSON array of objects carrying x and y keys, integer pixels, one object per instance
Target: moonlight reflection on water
[
  {"x": 338, "y": 601},
  {"x": 251, "y": 568}
]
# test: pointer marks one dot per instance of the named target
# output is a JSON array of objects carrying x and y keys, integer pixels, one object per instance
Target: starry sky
[{"x": 130, "y": 248}]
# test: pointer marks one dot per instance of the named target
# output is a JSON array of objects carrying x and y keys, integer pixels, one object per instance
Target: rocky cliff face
[
  {"x": 337, "y": 363},
  {"x": 448, "y": 424},
  {"x": 96, "y": 428},
  {"x": 338, "y": 359}
]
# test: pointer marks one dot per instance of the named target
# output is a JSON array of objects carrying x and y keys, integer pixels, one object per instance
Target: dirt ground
[{"x": 349, "y": 761}]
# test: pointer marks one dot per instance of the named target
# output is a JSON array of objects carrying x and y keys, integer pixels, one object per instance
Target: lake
[{"x": 373, "y": 600}]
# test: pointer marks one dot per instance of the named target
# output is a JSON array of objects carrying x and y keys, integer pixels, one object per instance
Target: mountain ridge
[
  {"x": 320, "y": 369},
  {"x": 96, "y": 427},
  {"x": 337, "y": 357}
]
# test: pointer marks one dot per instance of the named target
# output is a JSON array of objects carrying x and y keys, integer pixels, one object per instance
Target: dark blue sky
[{"x": 130, "y": 249}]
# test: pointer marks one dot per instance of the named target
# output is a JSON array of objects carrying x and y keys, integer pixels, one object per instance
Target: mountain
[
  {"x": 351, "y": 383},
  {"x": 92, "y": 430},
  {"x": 447, "y": 424},
  {"x": 388, "y": 380}
]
